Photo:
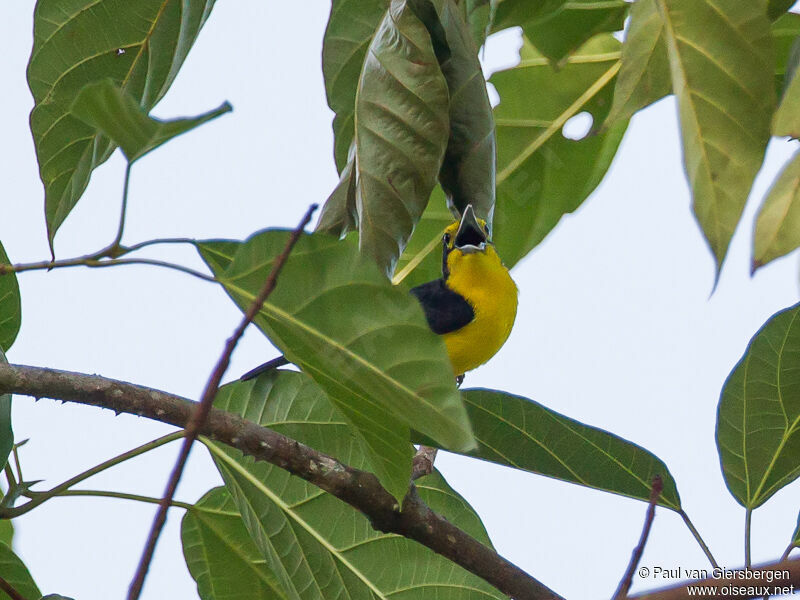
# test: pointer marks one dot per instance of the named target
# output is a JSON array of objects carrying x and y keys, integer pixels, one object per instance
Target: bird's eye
[{"x": 446, "y": 238}]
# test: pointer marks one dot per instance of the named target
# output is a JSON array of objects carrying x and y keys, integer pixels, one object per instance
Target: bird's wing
[{"x": 445, "y": 309}]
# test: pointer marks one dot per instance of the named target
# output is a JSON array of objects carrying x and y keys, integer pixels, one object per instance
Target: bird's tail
[{"x": 267, "y": 366}]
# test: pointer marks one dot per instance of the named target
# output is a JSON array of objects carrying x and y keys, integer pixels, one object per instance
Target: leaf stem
[
  {"x": 146, "y": 243},
  {"x": 115, "y": 245},
  {"x": 16, "y": 462},
  {"x": 92, "y": 261},
  {"x": 748, "y": 517},
  {"x": 111, "y": 262},
  {"x": 110, "y": 255},
  {"x": 120, "y": 495},
  {"x": 699, "y": 538},
  {"x": 12, "y": 486},
  {"x": 787, "y": 552},
  {"x": 37, "y": 498}
]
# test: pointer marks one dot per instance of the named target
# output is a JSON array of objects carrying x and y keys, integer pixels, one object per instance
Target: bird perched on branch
[{"x": 472, "y": 306}]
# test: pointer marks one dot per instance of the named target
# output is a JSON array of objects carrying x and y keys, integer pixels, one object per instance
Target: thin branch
[
  {"x": 37, "y": 498},
  {"x": 636, "y": 556},
  {"x": 200, "y": 414},
  {"x": 119, "y": 495},
  {"x": 9, "y": 589},
  {"x": 733, "y": 583},
  {"x": 359, "y": 489},
  {"x": 699, "y": 539}
]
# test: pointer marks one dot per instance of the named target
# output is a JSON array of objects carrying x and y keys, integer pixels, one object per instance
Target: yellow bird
[{"x": 472, "y": 306}]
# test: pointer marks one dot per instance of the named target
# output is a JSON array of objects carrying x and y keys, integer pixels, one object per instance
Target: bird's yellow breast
[{"x": 485, "y": 283}]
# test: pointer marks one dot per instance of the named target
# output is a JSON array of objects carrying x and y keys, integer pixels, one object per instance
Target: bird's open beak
[{"x": 470, "y": 237}]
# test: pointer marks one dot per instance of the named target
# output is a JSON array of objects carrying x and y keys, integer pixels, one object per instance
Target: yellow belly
[{"x": 488, "y": 287}]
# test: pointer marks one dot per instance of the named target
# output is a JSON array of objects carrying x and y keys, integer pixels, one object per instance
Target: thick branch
[
  {"x": 728, "y": 578},
  {"x": 359, "y": 489}
]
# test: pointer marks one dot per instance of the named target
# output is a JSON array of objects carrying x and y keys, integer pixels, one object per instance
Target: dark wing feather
[{"x": 445, "y": 309}]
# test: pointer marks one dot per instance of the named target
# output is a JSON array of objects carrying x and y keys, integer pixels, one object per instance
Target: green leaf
[
  {"x": 542, "y": 175},
  {"x": 10, "y": 305},
  {"x": 562, "y": 32},
  {"x": 6, "y": 432},
  {"x": 520, "y": 433},
  {"x": 758, "y": 417},
  {"x": 467, "y": 174},
  {"x": 401, "y": 133},
  {"x": 776, "y": 8},
  {"x": 14, "y": 571},
  {"x": 479, "y": 14},
  {"x": 351, "y": 26},
  {"x": 778, "y": 223},
  {"x": 721, "y": 59},
  {"x": 518, "y": 13},
  {"x": 6, "y": 532},
  {"x": 139, "y": 45},
  {"x": 220, "y": 555},
  {"x": 468, "y": 169},
  {"x": 366, "y": 342},
  {"x": 422, "y": 259},
  {"x": 644, "y": 76},
  {"x": 339, "y": 215},
  {"x": 785, "y": 32},
  {"x": 317, "y": 545},
  {"x": 787, "y": 118},
  {"x": 114, "y": 113},
  {"x": 218, "y": 254}
]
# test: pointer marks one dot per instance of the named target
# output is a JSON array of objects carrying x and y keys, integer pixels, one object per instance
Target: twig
[
  {"x": 9, "y": 589},
  {"x": 199, "y": 415},
  {"x": 37, "y": 498},
  {"x": 359, "y": 489},
  {"x": 636, "y": 556}
]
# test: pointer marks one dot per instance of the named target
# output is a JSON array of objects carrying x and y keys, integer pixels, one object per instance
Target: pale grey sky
[{"x": 615, "y": 326}]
